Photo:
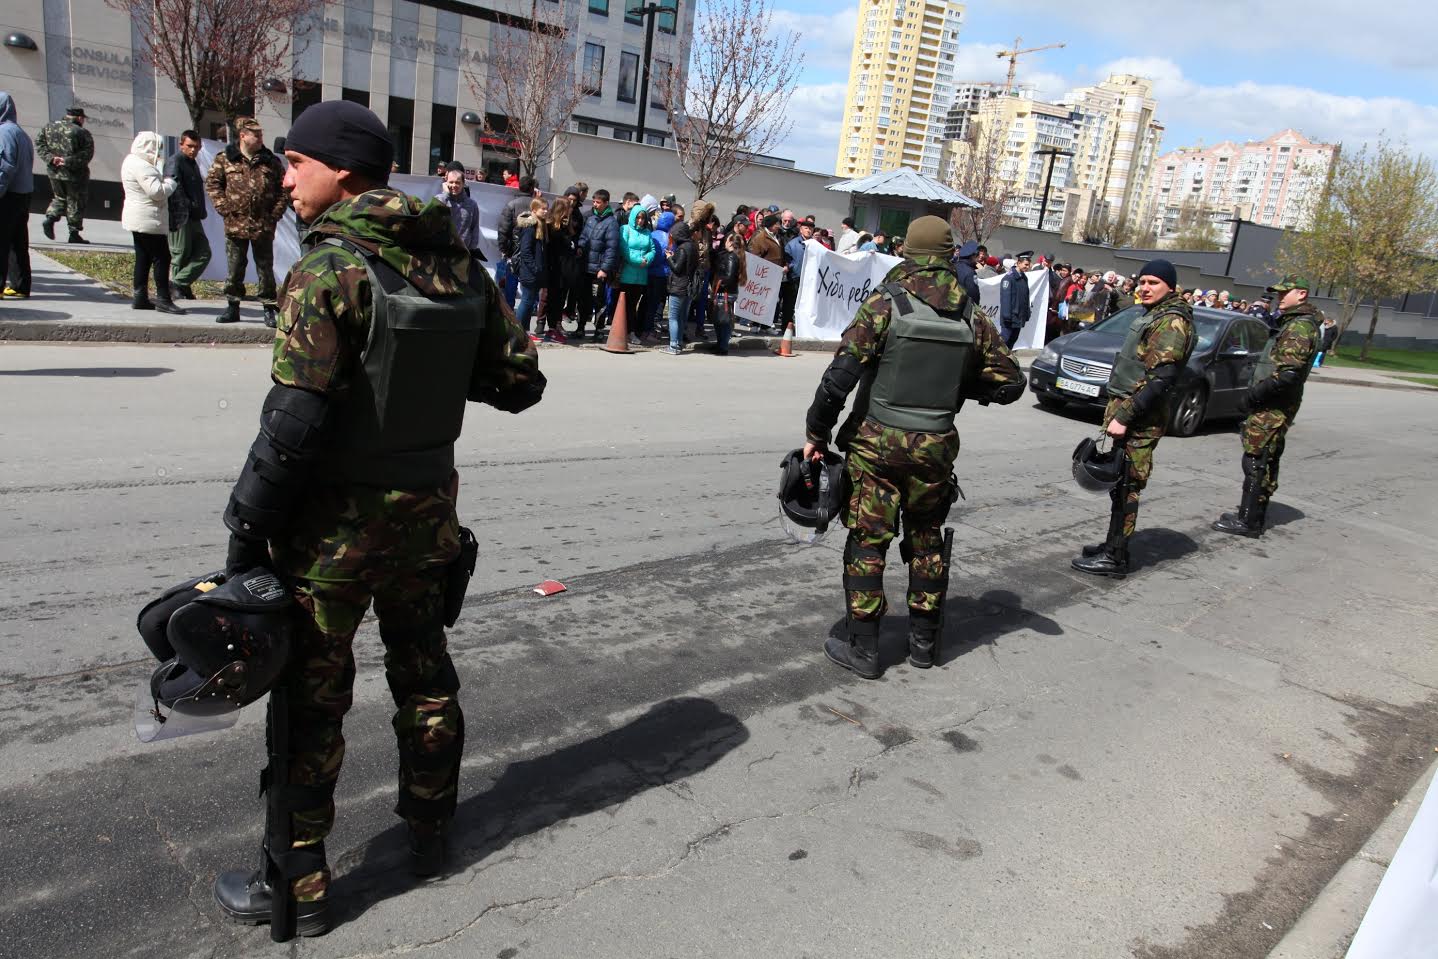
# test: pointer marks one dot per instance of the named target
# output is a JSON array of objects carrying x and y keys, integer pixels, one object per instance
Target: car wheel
[
  {"x": 1189, "y": 410},
  {"x": 1050, "y": 403}
]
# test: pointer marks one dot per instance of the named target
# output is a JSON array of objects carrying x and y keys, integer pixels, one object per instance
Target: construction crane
[{"x": 1014, "y": 55}]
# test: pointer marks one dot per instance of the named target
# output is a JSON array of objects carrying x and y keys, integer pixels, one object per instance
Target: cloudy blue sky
[{"x": 1336, "y": 71}]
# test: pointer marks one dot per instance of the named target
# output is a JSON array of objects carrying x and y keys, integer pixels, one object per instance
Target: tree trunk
[
  {"x": 1345, "y": 315},
  {"x": 1372, "y": 325}
]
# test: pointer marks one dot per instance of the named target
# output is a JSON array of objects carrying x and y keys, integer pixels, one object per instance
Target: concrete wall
[{"x": 617, "y": 166}]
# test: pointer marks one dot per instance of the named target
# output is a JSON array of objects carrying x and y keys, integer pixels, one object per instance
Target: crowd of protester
[{"x": 676, "y": 271}]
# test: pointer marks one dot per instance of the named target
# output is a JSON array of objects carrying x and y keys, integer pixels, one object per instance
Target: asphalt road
[{"x": 660, "y": 762}]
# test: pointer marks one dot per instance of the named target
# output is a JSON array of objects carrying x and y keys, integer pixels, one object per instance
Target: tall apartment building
[
  {"x": 901, "y": 86},
  {"x": 1267, "y": 181},
  {"x": 1011, "y": 132},
  {"x": 1117, "y": 140}
]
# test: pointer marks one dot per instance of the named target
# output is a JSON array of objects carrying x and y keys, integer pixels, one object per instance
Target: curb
[
  {"x": 1376, "y": 384},
  {"x": 1328, "y": 925},
  {"x": 59, "y": 331}
]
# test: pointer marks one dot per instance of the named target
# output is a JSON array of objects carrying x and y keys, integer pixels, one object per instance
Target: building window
[
  {"x": 655, "y": 139},
  {"x": 306, "y": 94},
  {"x": 401, "y": 130},
  {"x": 628, "y": 76},
  {"x": 441, "y": 134},
  {"x": 658, "y": 77},
  {"x": 355, "y": 96},
  {"x": 600, "y": 7},
  {"x": 632, "y": 12},
  {"x": 668, "y": 16},
  {"x": 623, "y": 134},
  {"x": 593, "y": 69},
  {"x": 590, "y": 128}
]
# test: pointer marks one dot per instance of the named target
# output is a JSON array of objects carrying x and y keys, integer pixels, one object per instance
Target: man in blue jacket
[
  {"x": 600, "y": 243},
  {"x": 1014, "y": 299},
  {"x": 17, "y": 182}
]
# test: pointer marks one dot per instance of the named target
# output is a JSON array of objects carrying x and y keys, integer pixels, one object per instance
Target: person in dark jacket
[
  {"x": 507, "y": 232},
  {"x": 564, "y": 268},
  {"x": 964, "y": 267},
  {"x": 730, "y": 275},
  {"x": 17, "y": 183},
  {"x": 601, "y": 244},
  {"x": 189, "y": 247},
  {"x": 683, "y": 260},
  {"x": 1014, "y": 300},
  {"x": 462, "y": 208},
  {"x": 529, "y": 263}
]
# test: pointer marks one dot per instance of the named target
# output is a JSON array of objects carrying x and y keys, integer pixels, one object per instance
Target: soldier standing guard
[
  {"x": 1273, "y": 402},
  {"x": 349, "y": 489},
  {"x": 919, "y": 347},
  {"x": 245, "y": 183},
  {"x": 65, "y": 148},
  {"x": 1150, "y": 362}
]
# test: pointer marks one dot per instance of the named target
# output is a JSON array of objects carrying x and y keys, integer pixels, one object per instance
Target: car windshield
[{"x": 1207, "y": 327}]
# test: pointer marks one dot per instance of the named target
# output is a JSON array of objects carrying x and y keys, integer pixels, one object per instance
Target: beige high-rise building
[
  {"x": 1015, "y": 135},
  {"x": 1267, "y": 181},
  {"x": 1117, "y": 141},
  {"x": 901, "y": 85}
]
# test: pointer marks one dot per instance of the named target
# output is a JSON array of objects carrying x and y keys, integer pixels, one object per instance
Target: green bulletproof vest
[
  {"x": 919, "y": 383},
  {"x": 403, "y": 411},
  {"x": 1266, "y": 367},
  {"x": 1128, "y": 370}
]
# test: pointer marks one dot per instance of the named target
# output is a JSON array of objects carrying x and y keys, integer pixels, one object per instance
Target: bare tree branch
[
  {"x": 531, "y": 84},
  {"x": 978, "y": 174},
  {"x": 731, "y": 105},
  {"x": 216, "y": 52}
]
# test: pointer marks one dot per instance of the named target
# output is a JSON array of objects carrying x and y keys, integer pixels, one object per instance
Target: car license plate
[{"x": 1074, "y": 386}]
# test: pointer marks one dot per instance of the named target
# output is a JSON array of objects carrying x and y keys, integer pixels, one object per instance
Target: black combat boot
[
  {"x": 246, "y": 897},
  {"x": 182, "y": 291},
  {"x": 1248, "y": 521},
  {"x": 923, "y": 639},
  {"x": 141, "y": 300},
  {"x": 47, "y": 227},
  {"x": 428, "y": 848},
  {"x": 75, "y": 237},
  {"x": 1111, "y": 559},
  {"x": 1116, "y": 497},
  {"x": 231, "y": 314},
  {"x": 859, "y": 650},
  {"x": 164, "y": 304},
  {"x": 270, "y": 317}
]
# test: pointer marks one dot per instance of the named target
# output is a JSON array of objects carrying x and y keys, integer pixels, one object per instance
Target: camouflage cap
[
  {"x": 248, "y": 123},
  {"x": 76, "y": 112},
  {"x": 1290, "y": 282}
]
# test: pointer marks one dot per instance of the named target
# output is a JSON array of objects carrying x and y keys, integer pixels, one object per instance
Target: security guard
[
  {"x": 1273, "y": 402},
  {"x": 65, "y": 149},
  {"x": 386, "y": 326},
  {"x": 917, "y": 348},
  {"x": 1150, "y": 362},
  {"x": 1014, "y": 298},
  {"x": 964, "y": 268}
]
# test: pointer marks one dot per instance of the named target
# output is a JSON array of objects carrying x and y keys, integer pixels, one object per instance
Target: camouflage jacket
[
  {"x": 1294, "y": 346},
  {"x": 247, "y": 192},
  {"x": 69, "y": 140},
  {"x": 1168, "y": 339},
  {"x": 339, "y": 531},
  {"x": 933, "y": 280}
]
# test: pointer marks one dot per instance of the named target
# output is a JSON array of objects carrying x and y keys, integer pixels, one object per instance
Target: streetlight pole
[
  {"x": 650, "y": 12},
  {"x": 1053, "y": 153}
]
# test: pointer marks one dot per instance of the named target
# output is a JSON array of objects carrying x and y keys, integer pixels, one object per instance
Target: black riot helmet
[
  {"x": 222, "y": 642},
  {"x": 1096, "y": 469},
  {"x": 810, "y": 494}
]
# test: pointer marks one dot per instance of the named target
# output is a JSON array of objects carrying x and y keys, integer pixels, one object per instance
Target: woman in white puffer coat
[{"x": 146, "y": 215}]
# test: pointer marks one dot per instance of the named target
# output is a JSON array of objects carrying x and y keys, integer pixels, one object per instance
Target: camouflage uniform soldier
[
  {"x": 245, "y": 183},
  {"x": 349, "y": 491},
  {"x": 1148, "y": 365},
  {"x": 919, "y": 347},
  {"x": 1273, "y": 402},
  {"x": 65, "y": 149}
]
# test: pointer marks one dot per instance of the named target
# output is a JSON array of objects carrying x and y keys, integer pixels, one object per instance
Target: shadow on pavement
[
  {"x": 1281, "y": 514},
  {"x": 970, "y": 623},
  {"x": 675, "y": 739},
  {"x": 1155, "y": 546},
  {"x": 130, "y": 372}
]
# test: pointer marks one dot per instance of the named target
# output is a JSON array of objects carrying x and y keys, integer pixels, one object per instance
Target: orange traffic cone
[
  {"x": 619, "y": 329},
  {"x": 786, "y": 345}
]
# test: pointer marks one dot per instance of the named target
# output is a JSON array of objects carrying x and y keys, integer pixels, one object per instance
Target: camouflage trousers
[
  {"x": 1264, "y": 433},
  {"x": 68, "y": 200},
  {"x": 1140, "y": 441},
  {"x": 882, "y": 493},
  {"x": 236, "y": 251},
  {"x": 428, "y": 723}
]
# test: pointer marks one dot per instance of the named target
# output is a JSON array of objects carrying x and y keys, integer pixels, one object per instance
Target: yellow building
[
  {"x": 901, "y": 85},
  {"x": 1117, "y": 141},
  {"x": 1008, "y": 135}
]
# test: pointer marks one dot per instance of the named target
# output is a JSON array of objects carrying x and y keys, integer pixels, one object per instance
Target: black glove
[
  {"x": 245, "y": 554},
  {"x": 1245, "y": 405}
]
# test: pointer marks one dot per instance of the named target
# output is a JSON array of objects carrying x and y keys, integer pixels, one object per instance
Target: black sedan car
[{"x": 1075, "y": 368}]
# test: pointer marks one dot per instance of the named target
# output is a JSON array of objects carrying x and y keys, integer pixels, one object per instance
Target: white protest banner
[
  {"x": 755, "y": 303},
  {"x": 1402, "y": 919},
  {"x": 833, "y": 286},
  {"x": 1031, "y": 337},
  {"x": 489, "y": 197}
]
